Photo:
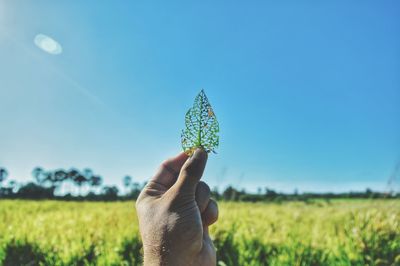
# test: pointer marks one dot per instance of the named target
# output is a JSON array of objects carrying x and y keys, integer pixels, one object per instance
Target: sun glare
[{"x": 48, "y": 44}]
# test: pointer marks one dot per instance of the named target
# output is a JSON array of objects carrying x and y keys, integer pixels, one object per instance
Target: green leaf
[{"x": 201, "y": 127}]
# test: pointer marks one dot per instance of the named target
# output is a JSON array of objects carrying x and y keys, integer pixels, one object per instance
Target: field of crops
[{"x": 357, "y": 232}]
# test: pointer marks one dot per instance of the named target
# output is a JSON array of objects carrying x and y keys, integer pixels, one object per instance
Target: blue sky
[{"x": 307, "y": 94}]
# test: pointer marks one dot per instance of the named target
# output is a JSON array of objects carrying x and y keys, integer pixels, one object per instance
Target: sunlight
[{"x": 48, "y": 44}]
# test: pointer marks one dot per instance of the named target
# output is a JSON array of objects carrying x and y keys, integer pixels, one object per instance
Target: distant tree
[
  {"x": 12, "y": 184},
  {"x": 39, "y": 175},
  {"x": 135, "y": 191},
  {"x": 95, "y": 181},
  {"x": 71, "y": 175},
  {"x": 59, "y": 177},
  {"x": 127, "y": 183},
  {"x": 270, "y": 194},
  {"x": 110, "y": 193},
  {"x": 80, "y": 180},
  {"x": 87, "y": 173},
  {"x": 3, "y": 175},
  {"x": 230, "y": 193},
  {"x": 34, "y": 191},
  {"x": 215, "y": 193},
  {"x": 50, "y": 178}
]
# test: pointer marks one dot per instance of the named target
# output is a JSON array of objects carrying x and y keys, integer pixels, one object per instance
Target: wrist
[
  {"x": 154, "y": 256},
  {"x": 161, "y": 256}
]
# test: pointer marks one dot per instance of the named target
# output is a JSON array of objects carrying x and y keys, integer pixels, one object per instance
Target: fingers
[
  {"x": 191, "y": 172},
  {"x": 210, "y": 214},
  {"x": 202, "y": 195},
  {"x": 168, "y": 171}
]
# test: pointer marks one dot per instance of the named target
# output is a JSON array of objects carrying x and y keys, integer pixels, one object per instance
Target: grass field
[{"x": 343, "y": 232}]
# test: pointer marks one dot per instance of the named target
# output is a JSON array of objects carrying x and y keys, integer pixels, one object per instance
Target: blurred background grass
[{"x": 339, "y": 232}]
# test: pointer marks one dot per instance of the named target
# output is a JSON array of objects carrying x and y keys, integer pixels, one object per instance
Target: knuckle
[
  {"x": 166, "y": 167},
  {"x": 165, "y": 163}
]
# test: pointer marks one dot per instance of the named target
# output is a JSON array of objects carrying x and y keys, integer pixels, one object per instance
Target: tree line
[
  {"x": 232, "y": 194},
  {"x": 74, "y": 184}
]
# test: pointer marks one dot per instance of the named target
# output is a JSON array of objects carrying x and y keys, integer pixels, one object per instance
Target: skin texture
[{"x": 175, "y": 211}]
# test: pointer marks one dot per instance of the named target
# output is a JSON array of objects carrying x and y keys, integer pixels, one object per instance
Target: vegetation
[
  {"x": 201, "y": 126},
  {"x": 73, "y": 184},
  {"x": 340, "y": 232}
]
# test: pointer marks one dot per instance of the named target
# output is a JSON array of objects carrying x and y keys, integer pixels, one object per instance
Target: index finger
[{"x": 169, "y": 170}]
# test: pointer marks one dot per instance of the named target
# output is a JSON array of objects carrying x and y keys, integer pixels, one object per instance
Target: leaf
[{"x": 202, "y": 127}]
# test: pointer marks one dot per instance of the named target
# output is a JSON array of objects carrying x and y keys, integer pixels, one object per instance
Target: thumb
[{"x": 191, "y": 172}]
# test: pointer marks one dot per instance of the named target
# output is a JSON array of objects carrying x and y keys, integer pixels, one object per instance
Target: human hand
[{"x": 174, "y": 211}]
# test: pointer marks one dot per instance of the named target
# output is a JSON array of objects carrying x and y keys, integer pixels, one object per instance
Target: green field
[{"x": 343, "y": 232}]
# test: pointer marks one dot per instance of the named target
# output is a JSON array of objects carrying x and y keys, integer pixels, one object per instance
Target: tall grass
[{"x": 317, "y": 233}]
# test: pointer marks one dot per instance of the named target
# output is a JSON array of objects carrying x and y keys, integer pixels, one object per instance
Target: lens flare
[{"x": 48, "y": 44}]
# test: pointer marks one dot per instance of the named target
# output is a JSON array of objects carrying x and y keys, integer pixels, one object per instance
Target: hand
[{"x": 174, "y": 211}]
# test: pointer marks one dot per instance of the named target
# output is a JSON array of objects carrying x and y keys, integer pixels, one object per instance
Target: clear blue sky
[{"x": 307, "y": 94}]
